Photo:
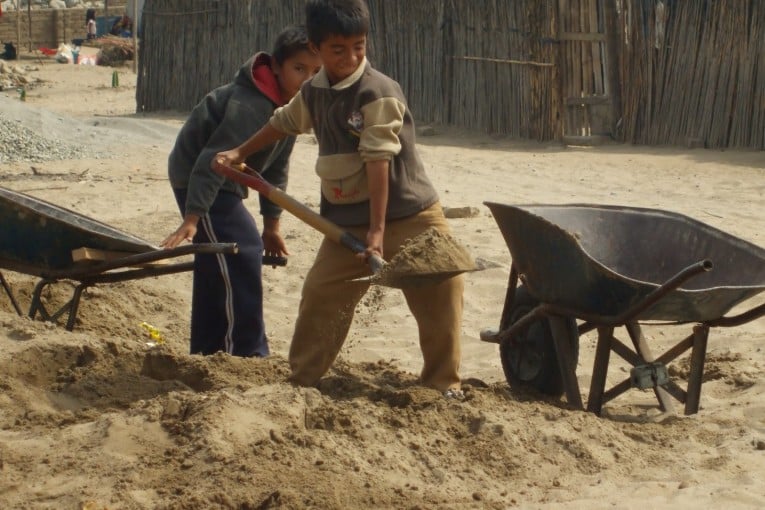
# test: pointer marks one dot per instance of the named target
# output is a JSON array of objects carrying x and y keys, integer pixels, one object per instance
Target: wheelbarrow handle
[{"x": 252, "y": 179}]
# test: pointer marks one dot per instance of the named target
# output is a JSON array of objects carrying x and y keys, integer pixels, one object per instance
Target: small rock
[
  {"x": 276, "y": 436},
  {"x": 461, "y": 212},
  {"x": 426, "y": 131}
]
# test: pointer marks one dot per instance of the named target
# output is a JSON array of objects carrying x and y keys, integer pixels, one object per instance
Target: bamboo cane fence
[
  {"x": 503, "y": 67},
  {"x": 190, "y": 47},
  {"x": 702, "y": 81}
]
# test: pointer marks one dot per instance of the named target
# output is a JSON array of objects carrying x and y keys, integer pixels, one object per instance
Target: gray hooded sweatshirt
[{"x": 224, "y": 119}]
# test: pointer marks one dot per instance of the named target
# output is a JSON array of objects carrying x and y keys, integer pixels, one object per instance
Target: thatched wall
[
  {"x": 498, "y": 66},
  {"x": 501, "y": 67},
  {"x": 702, "y": 81},
  {"x": 190, "y": 47}
]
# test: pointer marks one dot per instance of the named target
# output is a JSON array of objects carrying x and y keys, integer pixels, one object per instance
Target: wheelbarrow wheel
[{"x": 529, "y": 357}]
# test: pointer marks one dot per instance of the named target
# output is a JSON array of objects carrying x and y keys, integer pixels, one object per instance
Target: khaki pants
[{"x": 329, "y": 300}]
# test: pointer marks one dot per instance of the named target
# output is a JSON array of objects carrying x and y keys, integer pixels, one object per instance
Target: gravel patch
[
  {"x": 29, "y": 134},
  {"x": 22, "y": 144}
]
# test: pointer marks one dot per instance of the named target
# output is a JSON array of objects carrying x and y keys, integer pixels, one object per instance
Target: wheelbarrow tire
[{"x": 529, "y": 358}]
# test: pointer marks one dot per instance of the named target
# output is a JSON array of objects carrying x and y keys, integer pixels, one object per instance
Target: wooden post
[
  {"x": 135, "y": 36},
  {"x": 106, "y": 9},
  {"x": 559, "y": 91},
  {"x": 613, "y": 43},
  {"x": 29, "y": 15},
  {"x": 18, "y": 24},
  {"x": 57, "y": 25}
]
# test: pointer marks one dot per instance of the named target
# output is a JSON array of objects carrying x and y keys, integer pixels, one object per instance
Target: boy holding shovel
[{"x": 373, "y": 184}]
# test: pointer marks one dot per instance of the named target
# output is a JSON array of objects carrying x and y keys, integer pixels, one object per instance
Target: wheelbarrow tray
[
  {"x": 38, "y": 237},
  {"x": 602, "y": 260}
]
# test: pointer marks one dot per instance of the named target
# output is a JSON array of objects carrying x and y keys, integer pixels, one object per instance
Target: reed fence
[
  {"x": 694, "y": 71},
  {"x": 684, "y": 70}
]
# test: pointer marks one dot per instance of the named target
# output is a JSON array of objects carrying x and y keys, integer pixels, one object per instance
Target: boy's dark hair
[
  {"x": 325, "y": 18},
  {"x": 90, "y": 14},
  {"x": 290, "y": 41}
]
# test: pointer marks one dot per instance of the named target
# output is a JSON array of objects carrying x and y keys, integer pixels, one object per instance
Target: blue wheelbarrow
[{"x": 584, "y": 267}]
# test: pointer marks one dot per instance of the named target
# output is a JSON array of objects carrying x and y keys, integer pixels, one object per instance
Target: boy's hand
[
  {"x": 273, "y": 243},
  {"x": 229, "y": 158},
  {"x": 185, "y": 232}
]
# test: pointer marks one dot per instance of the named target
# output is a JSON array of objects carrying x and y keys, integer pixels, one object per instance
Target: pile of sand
[{"x": 428, "y": 258}]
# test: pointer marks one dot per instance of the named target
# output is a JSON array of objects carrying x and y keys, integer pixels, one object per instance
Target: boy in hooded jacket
[{"x": 227, "y": 294}]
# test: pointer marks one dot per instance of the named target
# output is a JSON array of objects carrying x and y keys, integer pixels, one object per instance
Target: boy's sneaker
[{"x": 454, "y": 394}]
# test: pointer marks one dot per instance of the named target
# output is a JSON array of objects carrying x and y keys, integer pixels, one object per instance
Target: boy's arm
[
  {"x": 265, "y": 136},
  {"x": 377, "y": 176},
  {"x": 291, "y": 119},
  {"x": 379, "y": 143}
]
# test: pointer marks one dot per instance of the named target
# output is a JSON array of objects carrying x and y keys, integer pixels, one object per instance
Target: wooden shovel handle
[{"x": 252, "y": 179}]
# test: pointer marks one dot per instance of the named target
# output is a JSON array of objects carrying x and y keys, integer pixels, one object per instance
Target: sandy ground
[{"x": 96, "y": 418}]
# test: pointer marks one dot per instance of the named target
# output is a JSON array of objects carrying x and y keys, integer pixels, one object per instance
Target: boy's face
[
  {"x": 295, "y": 70},
  {"x": 342, "y": 55}
]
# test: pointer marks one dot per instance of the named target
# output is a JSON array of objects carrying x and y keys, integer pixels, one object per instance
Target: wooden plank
[
  {"x": 505, "y": 61},
  {"x": 586, "y": 55},
  {"x": 596, "y": 46},
  {"x": 586, "y": 141},
  {"x": 587, "y": 100},
  {"x": 559, "y": 70},
  {"x": 86, "y": 254},
  {"x": 613, "y": 81},
  {"x": 576, "y": 62},
  {"x": 582, "y": 36}
]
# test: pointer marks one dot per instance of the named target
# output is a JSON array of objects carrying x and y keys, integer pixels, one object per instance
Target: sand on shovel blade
[{"x": 427, "y": 259}]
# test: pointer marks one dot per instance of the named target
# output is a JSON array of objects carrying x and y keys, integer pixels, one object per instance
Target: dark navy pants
[{"x": 227, "y": 295}]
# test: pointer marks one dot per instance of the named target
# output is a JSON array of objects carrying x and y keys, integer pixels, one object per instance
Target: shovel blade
[{"x": 400, "y": 280}]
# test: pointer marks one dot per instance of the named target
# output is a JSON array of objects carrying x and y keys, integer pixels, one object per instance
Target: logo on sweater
[
  {"x": 340, "y": 194},
  {"x": 356, "y": 123}
]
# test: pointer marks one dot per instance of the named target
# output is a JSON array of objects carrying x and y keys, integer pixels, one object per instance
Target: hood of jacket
[{"x": 257, "y": 73}]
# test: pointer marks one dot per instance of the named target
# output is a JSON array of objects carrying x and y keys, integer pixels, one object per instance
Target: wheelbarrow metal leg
[
  {"x": 641, "y": 346},
  {"x": 600, "y": 370},
  {"x": 8, "y": 291},
  {"x": 567, "y": 367},
  {"x": 36, "y": 305},
  {"x": 74, "y": 305},
  {"x": 698, "y": 354},
  {"x": 512, "y": 285}
]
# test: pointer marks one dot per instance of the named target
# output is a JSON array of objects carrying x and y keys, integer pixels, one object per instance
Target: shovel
[{"x": 382, "y": 272}]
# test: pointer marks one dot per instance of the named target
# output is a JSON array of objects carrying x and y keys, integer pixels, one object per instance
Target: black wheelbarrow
[
  {"x": 586, "y": 267},
  {"x": 41, "y": 239}
]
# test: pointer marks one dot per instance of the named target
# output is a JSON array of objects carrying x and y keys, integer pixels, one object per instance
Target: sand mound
[{"x": 132, "y": 426}]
